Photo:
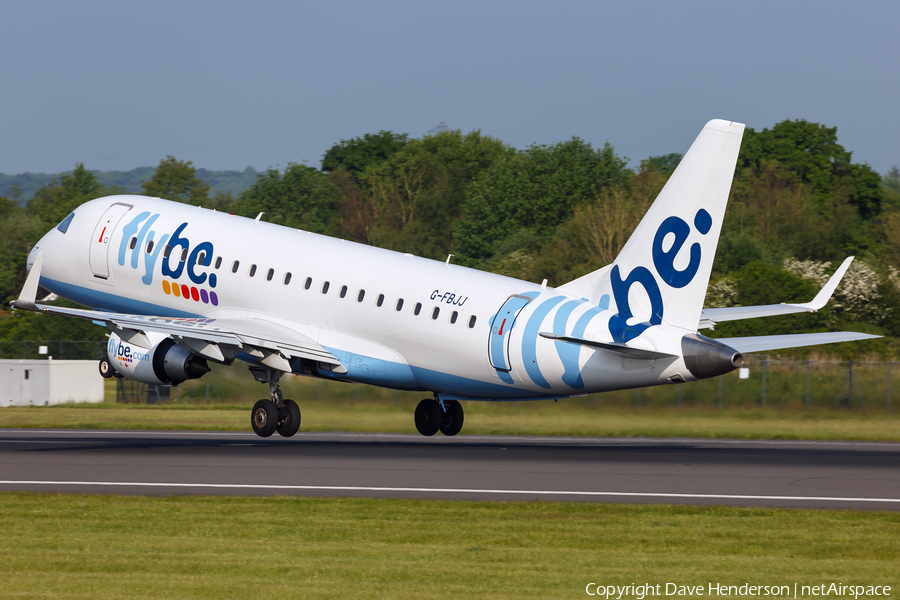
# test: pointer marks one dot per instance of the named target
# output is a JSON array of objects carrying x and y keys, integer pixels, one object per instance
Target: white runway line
[{"x": 354, "y": 488}]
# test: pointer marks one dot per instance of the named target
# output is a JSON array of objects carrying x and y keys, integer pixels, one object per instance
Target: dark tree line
[{"x": 558, "y": 211}]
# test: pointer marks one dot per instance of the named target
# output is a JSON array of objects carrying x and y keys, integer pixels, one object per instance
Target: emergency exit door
[
  {"x": 498, "y": 345},
  {"x": 100, "y": 242}
]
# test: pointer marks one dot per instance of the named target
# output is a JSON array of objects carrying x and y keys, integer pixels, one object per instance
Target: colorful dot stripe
[{"x": 189, "y": 293}]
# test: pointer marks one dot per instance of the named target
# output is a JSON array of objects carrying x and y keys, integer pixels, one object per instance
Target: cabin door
[
  {"x": 103, "y": 233},
  {"x": 498, "y": 345}
]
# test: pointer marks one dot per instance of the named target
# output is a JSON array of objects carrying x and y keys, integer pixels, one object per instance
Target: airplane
[{"x": 179, "y": 286}]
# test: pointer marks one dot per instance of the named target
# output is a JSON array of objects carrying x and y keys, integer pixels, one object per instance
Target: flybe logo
[
  {"x": 664, "y": 263},
  {"x": 124, "y": 353},
  {"x": 188, "y": 260}
]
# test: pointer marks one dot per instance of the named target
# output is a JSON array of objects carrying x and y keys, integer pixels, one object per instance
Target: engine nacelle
[{"x": 165, "y": 363}]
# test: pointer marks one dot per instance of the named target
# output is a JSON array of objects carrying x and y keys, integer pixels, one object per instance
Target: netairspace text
[{"x": 641, "y": 591}]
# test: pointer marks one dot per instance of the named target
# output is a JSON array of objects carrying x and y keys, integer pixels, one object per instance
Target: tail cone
[{"x": 705, "y": 357}]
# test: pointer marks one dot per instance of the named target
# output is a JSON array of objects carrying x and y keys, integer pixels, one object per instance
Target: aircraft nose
[{"x": 34, "y": 252}]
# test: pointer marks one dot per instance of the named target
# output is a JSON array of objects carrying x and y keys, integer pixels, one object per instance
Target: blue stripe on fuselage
[{"x": 110, "y": 302}]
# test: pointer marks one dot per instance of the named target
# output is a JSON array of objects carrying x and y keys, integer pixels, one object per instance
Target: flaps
[
  {"x": 137, "y": 338},
  {"x": 622, "y": 349}
]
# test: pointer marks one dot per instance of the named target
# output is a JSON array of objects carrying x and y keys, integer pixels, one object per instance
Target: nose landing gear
[
  {"x": 433, "y": 415},
  {"x": 274, "y": 413}
]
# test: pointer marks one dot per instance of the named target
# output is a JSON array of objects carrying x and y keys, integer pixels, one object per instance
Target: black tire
[
  {"x": 106, "y": 368},
  {"x": 290, "y": 423},
  {"x": 428, "y": 417},
  {"x": 452, "y": 417},
  {"x": 264, "y": 418}
]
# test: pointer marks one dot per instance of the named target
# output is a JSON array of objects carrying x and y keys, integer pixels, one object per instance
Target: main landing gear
[
  {"x": 107, "y": 370},
  {"x": 275, "y": 413},
  {"x": 432, "y": 416}
]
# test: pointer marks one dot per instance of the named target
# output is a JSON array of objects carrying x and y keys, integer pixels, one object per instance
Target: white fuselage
[{"x": 500, "y": 356}]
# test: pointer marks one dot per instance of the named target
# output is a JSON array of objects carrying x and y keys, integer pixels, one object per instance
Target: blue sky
[{"x": 229, "y": 84}]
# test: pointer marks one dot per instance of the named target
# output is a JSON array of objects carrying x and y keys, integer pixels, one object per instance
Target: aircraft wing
[
  {"x": 778, "y": 342},
  {"x": 710, "y": 316},
  {"x": 218, "y": 339}
]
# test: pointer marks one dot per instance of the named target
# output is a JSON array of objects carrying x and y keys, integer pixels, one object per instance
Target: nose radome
[{"x": 39, "y": 247}]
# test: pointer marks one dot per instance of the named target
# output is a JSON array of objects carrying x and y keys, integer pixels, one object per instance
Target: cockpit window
[{"x": 64, "y": 224}]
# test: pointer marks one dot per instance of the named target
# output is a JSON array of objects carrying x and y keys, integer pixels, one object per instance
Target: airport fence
[{"x": 763, "y": 381}]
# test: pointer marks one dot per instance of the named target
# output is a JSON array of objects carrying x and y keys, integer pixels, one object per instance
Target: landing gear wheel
[
  {"x": 451, "y": 417},
  {"x": 290, "y": 423},
  {"x": 264, "y": 418},
  {"x": 106, "y": 368},
  {"x": 428, "y": 417}
]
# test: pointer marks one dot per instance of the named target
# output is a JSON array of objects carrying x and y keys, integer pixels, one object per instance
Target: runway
[{"x": 859, "y": 475}]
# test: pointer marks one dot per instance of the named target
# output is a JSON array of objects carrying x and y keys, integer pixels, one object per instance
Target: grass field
[
  {"x": 546, "y": 418},
  {"x": 74, "y": 546}
]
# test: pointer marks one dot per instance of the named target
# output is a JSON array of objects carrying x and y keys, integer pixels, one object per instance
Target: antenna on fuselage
[
  {"x": 448, "y": 259},
  {"x": 259, "y": 216}
]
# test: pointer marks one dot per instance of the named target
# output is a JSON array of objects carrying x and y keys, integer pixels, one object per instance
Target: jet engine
[{"x": 165, "y": 363}]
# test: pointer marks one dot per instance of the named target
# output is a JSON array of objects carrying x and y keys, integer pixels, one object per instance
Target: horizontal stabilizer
[
  {"x": 710, "y": 316},
  {"x": 622, "y": 349},
  {"x": 778, "y": 342}
]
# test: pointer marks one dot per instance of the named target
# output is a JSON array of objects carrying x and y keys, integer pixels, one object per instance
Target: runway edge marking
[{"x": 348, "y": 488}]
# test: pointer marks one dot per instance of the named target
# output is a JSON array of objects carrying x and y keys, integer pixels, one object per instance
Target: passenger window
[
  {"x": 252, "y": 270},
  {"x": 64, "y": 224},
  {"x": 399, "y": 306},
  {"x": 133, "y": 243},
  {"x": 150, "y": 247},
  {"x": 360, "y": 295},
  {"x": 435, "y": 312},
  {"x": 184, "y": 255},
  {"x": 234, "y": 266},
  {"x": 380, "y": 300},
  {"x": 308, "y": 283},
  {"x": 343, "y": 291},
  {"x": 472, "y": 322},
  {"x": 270, "y": 274},
  {"x": 417, "y": 309},
  {"x": 167, "y": 251},
  {"x": 218, "y": 262},
  {"x": 453, "y": 317},
  {"x": 287, "y": 278},
  {"x": 201, "y": 258},
  {"x": 325, "y": 287}
]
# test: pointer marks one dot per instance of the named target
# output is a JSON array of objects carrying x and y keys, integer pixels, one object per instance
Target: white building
[{"x": 46, "y": 382}]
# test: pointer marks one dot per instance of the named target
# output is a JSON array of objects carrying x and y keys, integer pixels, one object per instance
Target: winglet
[
  {"x": 825, "y": 293},
  {"x": 28, "y": 296}
]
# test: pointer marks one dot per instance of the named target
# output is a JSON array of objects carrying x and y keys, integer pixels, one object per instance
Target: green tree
[
  {"x": 411, "y": 201},
  {"x": 357, "y": 154},
  {"x": 665, "y": 163},
  {"x": 18, "y": 231},
  {"x": 812, "y": 153},
  {"x": 891, "y": 180},
  {"x": 536, "y": 189},
  {"x": 51, "y": 204},
  {"x": 301, "y": 197},
  {"x": 177, "y": 180}
]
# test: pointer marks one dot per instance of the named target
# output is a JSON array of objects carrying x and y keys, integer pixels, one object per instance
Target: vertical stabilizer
[{"x": 661, "y": 274}]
